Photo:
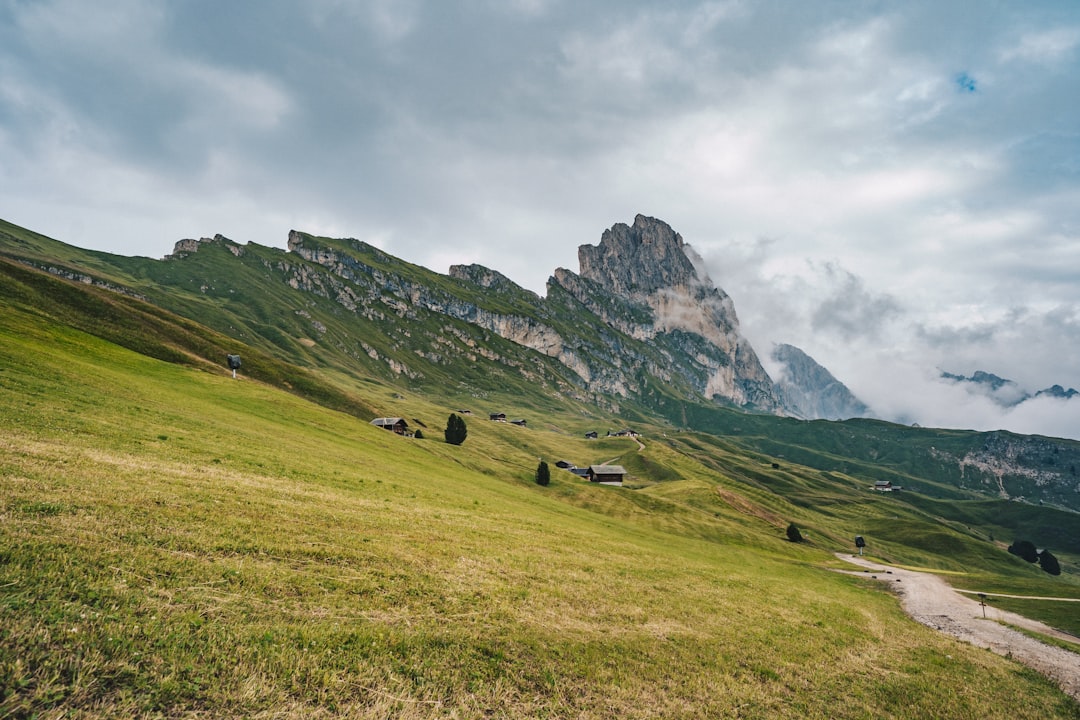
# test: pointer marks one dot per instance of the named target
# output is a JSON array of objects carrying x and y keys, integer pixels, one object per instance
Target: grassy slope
[{"x": 178, "y": 542}]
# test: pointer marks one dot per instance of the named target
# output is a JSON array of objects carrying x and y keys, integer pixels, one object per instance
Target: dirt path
[{"x": 929, "y": 599}]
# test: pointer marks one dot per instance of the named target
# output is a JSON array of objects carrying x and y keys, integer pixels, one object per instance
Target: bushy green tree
[
  {"x": 455, "y": 430},
  {"x": 543, "y": 473},
  {"x": 1049, "y": 563},
  {"x": 1025, "y": 549},
  {"x": 793, "y": 533}
]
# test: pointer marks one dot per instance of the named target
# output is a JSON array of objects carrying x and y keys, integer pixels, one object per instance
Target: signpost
[{"x": 234, "y": 363}]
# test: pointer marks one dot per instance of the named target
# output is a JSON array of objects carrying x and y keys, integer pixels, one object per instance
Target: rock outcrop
[
  {"x": 188, "y": 246},
  {"x": 1028, "y": 468}
]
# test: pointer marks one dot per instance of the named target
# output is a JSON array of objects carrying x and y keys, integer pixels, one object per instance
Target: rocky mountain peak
[
  {"x": 1002, "y": 391},
  {"x": 643, "y": 280},
  {"x": 638, "y": 259},
  {"x": 1057, "y": 391}
]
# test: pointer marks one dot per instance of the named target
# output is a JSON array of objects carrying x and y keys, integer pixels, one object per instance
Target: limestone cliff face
[
  {"x": 646, "y": 282},
  {"x": 640, "y": 312},
  {"x": 1028, "y": 468},
  {"x": 188, "y": 245},
  {"x": 364, "y": 280}
]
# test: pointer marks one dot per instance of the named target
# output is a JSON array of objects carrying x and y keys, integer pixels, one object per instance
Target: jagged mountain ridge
[
  {"x": 689, "y": 319},
  {"x": 659, "y": 319},
  {"x": 1004, "y": 392}
]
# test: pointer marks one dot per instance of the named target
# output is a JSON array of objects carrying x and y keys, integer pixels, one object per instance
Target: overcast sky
[{"x": 892, "y": 187}]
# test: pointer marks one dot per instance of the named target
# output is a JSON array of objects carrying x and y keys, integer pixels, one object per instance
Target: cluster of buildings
[{"x": 606, "y": 474}]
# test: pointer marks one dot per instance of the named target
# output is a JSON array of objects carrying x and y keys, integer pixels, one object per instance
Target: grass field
[{"x": 174, "y": 543}]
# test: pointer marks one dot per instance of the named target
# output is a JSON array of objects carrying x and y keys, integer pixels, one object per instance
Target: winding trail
[{"x": 930, "y": 600}]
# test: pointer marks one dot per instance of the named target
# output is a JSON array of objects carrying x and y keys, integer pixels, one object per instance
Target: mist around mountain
[
  {"x": 1004, "y": 392},
  {"x": 809, "y": 391}
]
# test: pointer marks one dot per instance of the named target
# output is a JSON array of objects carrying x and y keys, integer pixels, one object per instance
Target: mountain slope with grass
[{"x": 176, "y": 542}]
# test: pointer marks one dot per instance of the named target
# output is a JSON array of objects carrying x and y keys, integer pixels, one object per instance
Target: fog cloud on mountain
[
  {"x": 891, "y": 352},
  {"x": 898, "y": 184}
]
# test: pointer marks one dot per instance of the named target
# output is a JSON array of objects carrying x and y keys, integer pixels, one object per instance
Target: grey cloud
[
  {"x": 948, "y": 337},
  {"x": 851, "y": 310}
]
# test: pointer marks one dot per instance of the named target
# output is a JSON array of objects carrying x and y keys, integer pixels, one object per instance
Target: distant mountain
[
  {"x": 1056, "y": 391},
  {"x": 1002, "y": 391},
  {"x": 810, "y": 391}
]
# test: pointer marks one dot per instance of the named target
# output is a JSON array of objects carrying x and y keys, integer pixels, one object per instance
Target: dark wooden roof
[{"x": 389, "y": 422}]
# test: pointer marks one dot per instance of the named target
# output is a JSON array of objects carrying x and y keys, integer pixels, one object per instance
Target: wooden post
[{"x": 982, "y": 601}]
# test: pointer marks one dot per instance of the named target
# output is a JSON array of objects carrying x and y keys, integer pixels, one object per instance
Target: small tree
[
  {"x": 543, "y": 474},
  {"x": 419, "y": 435},
  {"x": 455, "y": 430},
  {"x": 793, "y": 533},
  {"x": 1025, "y": 549},
  {"x": 1049, "y": 563}
]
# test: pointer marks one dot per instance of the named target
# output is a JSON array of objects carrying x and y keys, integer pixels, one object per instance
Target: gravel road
[{"x": 930, "y": 600}]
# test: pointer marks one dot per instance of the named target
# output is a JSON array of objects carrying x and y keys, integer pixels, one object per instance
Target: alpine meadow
[{"x": 177, "y": 543}]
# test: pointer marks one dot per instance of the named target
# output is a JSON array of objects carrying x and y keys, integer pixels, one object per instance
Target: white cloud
[
  {"x": 1045, "y": 47},
  {"x": 70, "y": 25},
  {"x": 388, "y": 21},
  {"x": 227, "y": 97}
]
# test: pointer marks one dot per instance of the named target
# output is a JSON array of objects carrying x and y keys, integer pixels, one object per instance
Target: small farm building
[
  {"x": 606, "y": 473},
  {"x": 623, "y": 433},
  {"x": 393, "y": 424}
]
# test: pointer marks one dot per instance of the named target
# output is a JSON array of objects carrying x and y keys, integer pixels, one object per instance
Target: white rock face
[{"x": 649, "y": 265}]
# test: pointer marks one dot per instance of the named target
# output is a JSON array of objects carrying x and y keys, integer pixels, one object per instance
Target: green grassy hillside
[{"x": 178, "y": 543}]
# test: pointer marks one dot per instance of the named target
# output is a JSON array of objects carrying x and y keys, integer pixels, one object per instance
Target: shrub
[
  {"x": 1049, "y": 563},
  {"x": 793, "y": 533},
  {"x": 455, "y": 430},
  {"x": 1025, "y": 549},
  {"x": 419, "y": 435},
  {"x": 543, "y": 474}
]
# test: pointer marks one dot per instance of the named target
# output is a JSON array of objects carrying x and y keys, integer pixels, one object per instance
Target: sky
[{"x": 892, "y": 187}]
